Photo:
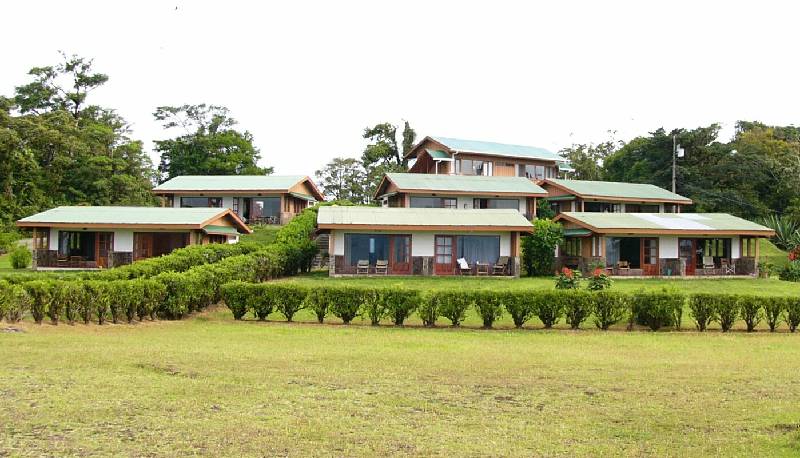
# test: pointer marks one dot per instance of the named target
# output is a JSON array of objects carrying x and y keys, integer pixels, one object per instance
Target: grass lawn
[
  {"x": 5, "y": 262},
  {"x": 208, "y": 385},
  {"x": 264, "y": 234}
]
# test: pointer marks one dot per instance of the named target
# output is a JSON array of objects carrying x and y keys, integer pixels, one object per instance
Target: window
[
  {"x": 41, "y": 238},
  {"x": 73, "y": 243},
  {"x": 478, "y": 248},
  {"x": 365, "y": 247},
  {"x": 650, "y": 251},
  {"x": 534, "y": 172},
  {"x": 433, "y": 202},
  {"x": 402, "y": 248},
  {"x": 748, "y": 247},
  {"x": 236, "y": 205},
  {"x": 597, "y": 246},
  {"x": 718, "y": 248},
  {"x": 572, "y": 246},
  {"x": 641, "y": 208},
  {"x": 266, "y": 207},
  {"x": 201, "y": 202},
  {"x": 472, "y": 167},
  {"x": 496, "y": 203},
  {"x": 601, "y": 207}
]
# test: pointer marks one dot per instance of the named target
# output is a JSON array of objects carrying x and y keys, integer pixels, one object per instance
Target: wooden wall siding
[
  {"x": 554, "y": 191},
  {"x": 505, "y": 169}
]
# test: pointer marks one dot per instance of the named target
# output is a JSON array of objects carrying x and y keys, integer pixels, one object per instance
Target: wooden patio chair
[
  {"x": 62, "y": 261},
  {"x": 624, "y": 266},
  {"x": 362, "y": 268},
  {"x": 501, "y": 266},
  {"x": 481, "y": 268},
  {"x": 382, "y": 267},
  {"x": 463, "y": 267},
  {"x": 75, "y": 261},
  {"x": 708, "y": 262},
  {"x": 728, "y": 267}
]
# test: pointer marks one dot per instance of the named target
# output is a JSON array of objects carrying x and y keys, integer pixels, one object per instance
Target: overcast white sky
[{"x": 306, "y": 77}]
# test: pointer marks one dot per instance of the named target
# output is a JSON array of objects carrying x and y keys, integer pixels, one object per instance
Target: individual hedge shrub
[
  {"x": 518, "y": 305},
  {"x": 577, "y": 306},
  {"x": 726, "y": 311},
  {"x": 238, "y": 297},
  {"x": 489, "y": 305},
  {"x": 703, "y": 307},
  {"x": 773, "y": 308},
  {"x": 549, "y": 306},
  {"x": 750, "y": 309},
  {"x": 181, "y": 294},
  {"x": 400, "y": 304},
  {"x": 17, "y": 301},
  {"x": 657, "y": 309},
  {"x": 153, "y": 293},
  {"x": 286, "y": 298},
  {"x": 373, "y": 305},
  {"x": 71, "y": 296},
  {"x": 453, "y": 304},
  {"x": 319, "y": 302},
  {"x": 40, "y": 294},
  {"x": 792, "y": 312},
  {"x": 20, "y": 257},
  {"x": 5, "y": 290},
  {"x": 428, "y": 310},
  {"x": 345, "y": 302},
  {"x": 609, "y": 308},
  {"x": 101, "y": 297}
]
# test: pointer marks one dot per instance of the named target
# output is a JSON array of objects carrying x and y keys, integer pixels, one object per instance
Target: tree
[
  {"x": 382, "y": 155},
  {"x": 344, "y": 179},
  {"x": 210, "y": 145},
  {"x": 539, "y": 248},
  {"x": 57, "y": 149},
  {"x": 588, "y": 159}
]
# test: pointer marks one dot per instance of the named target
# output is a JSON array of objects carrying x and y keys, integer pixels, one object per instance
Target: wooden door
[
  {"x": 104, "y": 242},
  {"x": 400, "y": 258},
  {"x": 649, "y": 256},
  {"x": 444, "y": 255},
  {"x": 142, "y": 245},
  {"x": 687, "y": 251}
]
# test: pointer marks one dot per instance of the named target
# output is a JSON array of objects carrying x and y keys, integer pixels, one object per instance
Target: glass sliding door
[
  {"x": 366, "y": 247},
  {"x": 479, "y": 248}
]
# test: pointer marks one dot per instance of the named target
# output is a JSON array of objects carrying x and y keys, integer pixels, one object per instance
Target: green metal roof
[
  {"x": 303, "y": 196},
  {"x": 432, "y": 217},
  {"x": 615, "y": 189},
  {"x": 124, "y": 215},
  {"x": 701, "y": 222},
  {"x": 230, "y": 183},
  {"x": 220, "y": 230},
  {"x": 577, "y": 232},
  {"x": 498, "y": 149},
  {"x": 437, "y": 154},
  {"x": 465, "y": 183}
]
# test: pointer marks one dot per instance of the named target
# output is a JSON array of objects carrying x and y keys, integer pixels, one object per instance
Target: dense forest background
[{"x": 57, "y": 148}]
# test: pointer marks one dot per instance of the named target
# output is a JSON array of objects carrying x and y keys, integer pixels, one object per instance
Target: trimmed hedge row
[
  {"x": 654, "y": 309},
  {"x": 149, "y": 292}
]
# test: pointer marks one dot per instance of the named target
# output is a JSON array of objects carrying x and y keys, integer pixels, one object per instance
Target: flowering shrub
[
  {"x": 568, "y": 279},
  {"x": 599, "y": 280}
]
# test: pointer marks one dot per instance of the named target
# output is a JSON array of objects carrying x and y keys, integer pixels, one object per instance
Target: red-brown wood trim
[{"x": 397, "y": 227}]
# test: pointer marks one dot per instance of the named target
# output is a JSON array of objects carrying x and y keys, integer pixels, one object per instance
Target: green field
[{"x": 211, "y": 386}]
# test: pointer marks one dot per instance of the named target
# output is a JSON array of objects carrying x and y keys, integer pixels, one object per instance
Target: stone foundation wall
[{"x": 119, "y": 258}]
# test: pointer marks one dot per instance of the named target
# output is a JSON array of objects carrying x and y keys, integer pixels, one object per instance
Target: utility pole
[{"x": 674, "y": 159}]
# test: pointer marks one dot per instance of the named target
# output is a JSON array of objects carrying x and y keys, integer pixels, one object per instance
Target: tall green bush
[
  {"x": 609, "y": 308},
  {"x": 400, "y": 304},
  {"x": 657, "y": 309},
  {"x": 20, "y": 257},
  {"x": 373, "y": 305},
  {"x": 548, "y": 305},
  {"x": 428, "y": 310},
  {"x": 238, "y": 297},
  {"x": 577, "y": 306},
  {"x": 453, "y": 305},
  {"x": 726, "y": 311},
  {"x": 318, "y": 301},
  {"x": 345, "y": 302},
  {"x": 774, "y": 308},
  {"x": 538, "y": 249},
  {"x": 101, "y": 297},
  {"x": 17, "y": 302},
  {"x": 489, "y": 305},
  {"x": 750, "y": 309},
  {"x": 792, "y": 312},
  {"x": 703, "y": 307},
  {"x": 70, "y": 295},
  {"x": 519, "y": 306},
  {"x": 40, "y": 294}
]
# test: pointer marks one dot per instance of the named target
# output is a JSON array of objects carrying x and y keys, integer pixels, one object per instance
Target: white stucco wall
[
  {"x": 735, "y": 247},
  {"x": 53, "y": 238},
  {"x": 422, "y": 243},
  {"x": 668, "y": 247},
  {"x": 123, "y": 241}
]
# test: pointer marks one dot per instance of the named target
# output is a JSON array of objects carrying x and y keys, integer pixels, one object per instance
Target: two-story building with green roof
[
  {"x": 257, "y": 199},
  {"x": 464, "y": 192},
  {"x": 454, "y": 156},
  {"x": 610, "y": 197},
  {"x": 422, "y": 241},
  {"x": 101, "y": 237},
  {"x": 660, "y": 244}
]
